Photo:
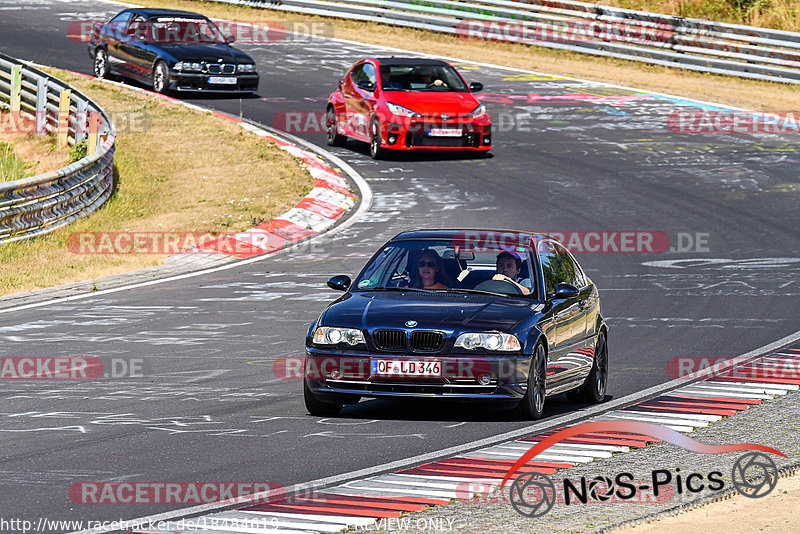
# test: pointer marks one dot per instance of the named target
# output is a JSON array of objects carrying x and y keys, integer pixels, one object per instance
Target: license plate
[
  {"x": 401, "y": 368},
  {"x": 444, "y": 132},
  {"x": 222, "y": 80}
]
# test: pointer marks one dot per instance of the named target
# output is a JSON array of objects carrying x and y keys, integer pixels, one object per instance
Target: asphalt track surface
[{"x": 209, "y": 408}]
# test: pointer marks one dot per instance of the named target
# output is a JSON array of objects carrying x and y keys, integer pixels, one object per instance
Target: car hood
[
  {"x": 433, "y": 103},
  {"x": 205, "y": 52},
  {"x": 447, "y": 311}
]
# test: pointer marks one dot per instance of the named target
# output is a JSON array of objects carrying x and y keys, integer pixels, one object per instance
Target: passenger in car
[
  {"x": 430, "y": 272},
  {"x": 509, "y": 266}
]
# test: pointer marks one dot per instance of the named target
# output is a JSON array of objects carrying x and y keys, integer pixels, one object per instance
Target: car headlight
[
  {"x": 488, "y": 341},
  {"x": 401, "y": 111},
  {"x": 247, "y": 67},
  {"x": 331, "y": 335},
  {"x": 480, "y": 111},
  {"x": 188, "y": 66}
]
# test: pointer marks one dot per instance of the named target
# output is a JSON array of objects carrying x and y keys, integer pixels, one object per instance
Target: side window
[
  {"x": 359, "y": 74},
  {"x": 558, "y": 266},
  {"x": 369, "y": 72},
  {"x": 119, "y": 24},
  {"x": 137, "y": 29}
]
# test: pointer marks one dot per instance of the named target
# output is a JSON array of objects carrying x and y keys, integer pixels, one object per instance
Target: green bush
[{"x": 79, "y": 151}]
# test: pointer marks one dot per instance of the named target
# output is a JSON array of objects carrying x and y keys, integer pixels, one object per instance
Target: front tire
[
  {"x": 375, "y": 150},
  {"x": 317, "y": 406},
  {"x": 161, "y": 78},
  {"x": 331, "y": 127},
  {"x": 532, "y": 404},
  {"x": 101, "y": 65}
]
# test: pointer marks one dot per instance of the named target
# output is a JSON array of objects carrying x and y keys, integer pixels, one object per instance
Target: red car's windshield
[
  {"x": 421, "y": 78},
  {"x": 184, "y": 30}
]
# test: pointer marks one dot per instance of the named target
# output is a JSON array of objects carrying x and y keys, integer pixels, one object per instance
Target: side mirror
[
  {"x": 341, "y": 81},
  {"x": 367, "y": 86},
  {"x": 229, "y": 39},
  {"x": 340, "y": 282},
  {"x": 565, "y": 291},
  {"x": 475, "y": 87}
]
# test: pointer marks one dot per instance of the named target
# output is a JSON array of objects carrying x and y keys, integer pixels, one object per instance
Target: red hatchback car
[{"x": 407, "y": 104}]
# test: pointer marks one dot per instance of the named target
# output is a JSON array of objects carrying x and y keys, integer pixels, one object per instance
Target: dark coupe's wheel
[
  {"x": 101, "y": 69},
  {"x": 375, "y": 149},
  {"x": 532, "y": 404},
  {"x": 161, "y": 78},
  {"x": 318, "y": 407},
  {"x": 594, "y": 389},
  {"x": 334, "y": 139}
]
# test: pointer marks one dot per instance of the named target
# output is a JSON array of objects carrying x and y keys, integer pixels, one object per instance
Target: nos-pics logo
[{"x": 533, "y": 494}]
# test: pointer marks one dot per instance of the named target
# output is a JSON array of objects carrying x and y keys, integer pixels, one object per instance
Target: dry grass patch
[
  {"x": 778, "y": 14},
  {"x": 739, "y": 92},
  {"x": 24, "y": 155},
  {"x": 186, "y": 171}
]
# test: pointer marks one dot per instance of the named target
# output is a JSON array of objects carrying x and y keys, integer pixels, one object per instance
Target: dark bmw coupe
[
  {"x": 460, "y": 314},
  {"x": 171, "y": 50}
]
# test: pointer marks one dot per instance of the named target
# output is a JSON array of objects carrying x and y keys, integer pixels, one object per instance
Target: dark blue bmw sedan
[
  {"x": 460, "y": 314},
  {"x": 171, "y": 50}
]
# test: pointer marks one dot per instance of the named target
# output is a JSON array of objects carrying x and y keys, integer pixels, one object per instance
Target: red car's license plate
[{"x": 444, "y": 132}]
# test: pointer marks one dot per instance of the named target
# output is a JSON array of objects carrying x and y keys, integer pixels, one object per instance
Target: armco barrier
[
  {"x": 37, "y": 103},
  {"x": 694, "y": 44}
]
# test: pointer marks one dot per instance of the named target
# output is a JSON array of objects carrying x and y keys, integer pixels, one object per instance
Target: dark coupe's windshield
[
  {"x": 441, "y": 265},
  {"x": 185, "y": 30},
  {"x": 421, "y": 78}
]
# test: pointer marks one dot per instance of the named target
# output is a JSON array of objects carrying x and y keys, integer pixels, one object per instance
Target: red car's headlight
[
  {"x": 480, "y": 111},
  {"x": 401, "y": 111}
]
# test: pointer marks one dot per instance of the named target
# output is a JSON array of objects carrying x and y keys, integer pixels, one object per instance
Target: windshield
[
  {"x": 441, "y": 265},
  {"x": 441, "y": 78},
  {"x": 184, "y": 30}
]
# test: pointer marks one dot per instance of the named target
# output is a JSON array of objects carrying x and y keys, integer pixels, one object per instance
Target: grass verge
[
  {"x": 777, "y": 14},
  {"x": 749, "y": 94},
  {"x": 176, "y": 170},
  {"x": 24, "y": 155}
]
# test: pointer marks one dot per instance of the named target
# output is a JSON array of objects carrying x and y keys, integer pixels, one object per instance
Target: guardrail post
[
  {"x": 16, "y": 88},
  {"x": 41, "y": 106},
  {"x": 81, "y": 121},
  {"x": 63, "y": 118},
  {"x": 93, "y": 133}
]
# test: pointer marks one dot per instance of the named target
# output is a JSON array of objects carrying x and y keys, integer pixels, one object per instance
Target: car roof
[
  {"x": 447, "y": 233},
  {"x": 152, "y": 12},
  {"x": 409, "y": 61}
]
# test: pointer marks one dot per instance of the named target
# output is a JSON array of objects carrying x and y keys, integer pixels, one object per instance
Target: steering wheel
[
  {"x": 499, "y": 286},
  {"x": 433, "y": 84}
]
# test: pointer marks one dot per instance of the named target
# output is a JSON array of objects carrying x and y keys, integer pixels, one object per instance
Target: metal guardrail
[
  {"x": 34, "y": 102},
  {"x": 695, "y": 44}
]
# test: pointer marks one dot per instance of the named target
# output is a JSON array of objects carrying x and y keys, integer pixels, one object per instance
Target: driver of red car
[{"x": 426, "y": 77}]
